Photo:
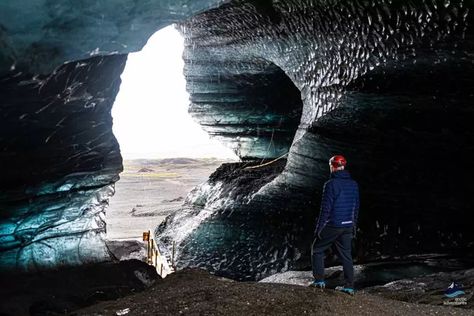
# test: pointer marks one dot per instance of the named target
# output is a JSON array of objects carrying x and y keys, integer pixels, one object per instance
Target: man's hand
[{"x": 354, "y": 232}]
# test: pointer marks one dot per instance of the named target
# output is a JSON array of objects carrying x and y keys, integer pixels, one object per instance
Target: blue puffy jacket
[{"x": 340, "y": 202}]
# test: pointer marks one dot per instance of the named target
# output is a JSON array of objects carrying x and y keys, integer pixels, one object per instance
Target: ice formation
[{"x": 387, "y": 83}]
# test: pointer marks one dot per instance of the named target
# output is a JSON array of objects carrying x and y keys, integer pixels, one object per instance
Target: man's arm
[{"x": 327, "y": 202}]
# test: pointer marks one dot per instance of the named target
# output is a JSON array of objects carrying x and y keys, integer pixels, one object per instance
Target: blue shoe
[
  {"x": 320, "y": 284},
  {"x": 454, "y": 290},
  {"x": 347, "y": 290}
]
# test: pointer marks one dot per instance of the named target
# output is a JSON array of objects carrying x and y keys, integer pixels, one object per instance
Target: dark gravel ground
[
  {"x": 195, "y": 292},
  {"x": 58, "y": 292}
]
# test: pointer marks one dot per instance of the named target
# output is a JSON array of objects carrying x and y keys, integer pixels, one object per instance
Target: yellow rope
[{"x": 266, "y": 164}]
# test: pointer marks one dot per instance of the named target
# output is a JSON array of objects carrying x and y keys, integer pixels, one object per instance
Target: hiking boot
[
  {"x": 319, "y": 284},
  {"x": 344, "y": 289}
]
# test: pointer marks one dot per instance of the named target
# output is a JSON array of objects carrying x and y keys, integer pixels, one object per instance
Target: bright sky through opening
[{"x": 150, "y": 111}]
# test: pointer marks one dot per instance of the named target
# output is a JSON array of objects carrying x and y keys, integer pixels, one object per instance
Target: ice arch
[{"x": 383, "y": 81}]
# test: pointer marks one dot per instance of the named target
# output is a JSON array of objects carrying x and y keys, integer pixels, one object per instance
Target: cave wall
[
  {"x": 60, "y": 66},
  {"x": 409, "y": 137},
  {"x": 60, "y": 162},
  {"x": 388, "y": 84},
  {"x": 38, "y": 36},
  {"x": 251, "y": 106}
]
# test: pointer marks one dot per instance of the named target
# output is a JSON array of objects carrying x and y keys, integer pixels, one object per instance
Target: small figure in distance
[{"x": 336, "y": 224}]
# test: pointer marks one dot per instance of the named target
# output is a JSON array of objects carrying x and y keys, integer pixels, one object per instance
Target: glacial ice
[
  {"x": 38, "y": 36},
  {"x": 62, "y": 162},
  {"x": 386, "y": 83}
]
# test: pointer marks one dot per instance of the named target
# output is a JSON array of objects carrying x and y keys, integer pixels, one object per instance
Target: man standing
[{"x": 336, "y": 224}]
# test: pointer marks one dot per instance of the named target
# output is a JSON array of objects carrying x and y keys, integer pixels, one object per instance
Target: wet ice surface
[
  {"x": 383, "y": 273},
  {"x": 420, "y": 281}
]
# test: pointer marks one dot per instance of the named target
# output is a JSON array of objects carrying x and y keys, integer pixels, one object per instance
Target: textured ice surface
[
  {"x": 211, "y": 230},
  {"x": 60, "y": 162},
  {"x": 428, "y": 289},
  {"x": 201, "y": 203},
  {"x": 47, "y": 235},
  {"x": 255, "y": 110},
  {"x": 304, "y": 278},
  {"x": 386, "y": 83},
  {"x": 390, "y": 276},
  {"x": 37, "y": 36}
]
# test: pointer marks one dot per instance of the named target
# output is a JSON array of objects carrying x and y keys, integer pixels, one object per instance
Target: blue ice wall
[
  {"x": 386, "y": 83},
  {"x": 254, "y": 110},
  {"x": 60, "y": 161},
  {"x": 38, "y": 36},
  {"x": 60, "y": 66}
]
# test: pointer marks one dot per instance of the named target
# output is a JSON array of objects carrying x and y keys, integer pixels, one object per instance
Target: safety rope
[{"x": 267, "y": 163}]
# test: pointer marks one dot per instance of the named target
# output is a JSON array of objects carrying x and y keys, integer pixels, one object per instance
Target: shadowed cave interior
[{"x": 386, "y": 83}]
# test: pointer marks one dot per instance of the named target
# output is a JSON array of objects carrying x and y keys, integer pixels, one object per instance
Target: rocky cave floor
[{"x": 133, "y": 288}]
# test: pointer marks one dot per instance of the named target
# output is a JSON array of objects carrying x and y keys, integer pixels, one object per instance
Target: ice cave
[{"x": 389, "y": 83}]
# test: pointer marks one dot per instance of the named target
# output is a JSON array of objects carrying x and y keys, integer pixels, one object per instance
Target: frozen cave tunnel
[{"x": 387, "y": 83}]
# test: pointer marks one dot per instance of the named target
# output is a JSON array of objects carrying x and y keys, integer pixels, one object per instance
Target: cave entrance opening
[{"x": 166, "y": 153}]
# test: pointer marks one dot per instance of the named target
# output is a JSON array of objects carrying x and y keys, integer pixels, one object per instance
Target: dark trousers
[{"x": 342, "y": 239}]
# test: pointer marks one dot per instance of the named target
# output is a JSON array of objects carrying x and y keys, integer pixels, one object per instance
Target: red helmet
[{"x": 338, "y": 161}]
